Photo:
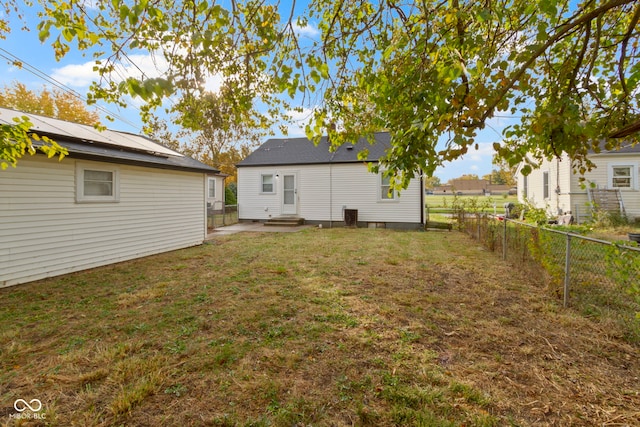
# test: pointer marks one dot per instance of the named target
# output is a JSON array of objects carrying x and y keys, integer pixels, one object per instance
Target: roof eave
[
  {"x": 142, "y": 163},
  {"x": 239, "y": 165}
]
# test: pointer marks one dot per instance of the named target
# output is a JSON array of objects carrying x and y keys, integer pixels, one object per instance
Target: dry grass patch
[{"x": 320, "y": 327}]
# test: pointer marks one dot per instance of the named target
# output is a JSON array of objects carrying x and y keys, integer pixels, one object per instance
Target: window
[
  {"x": 525, "y": 187},
  {"x": 267, "y": 184},
  {"x": 386, "y": 193},
  {"x": 212, "y": 188},
  {"x": 97, "y": 184},
  {"x": 545, "y": 184},
  {"x": 621, "y": 177}
]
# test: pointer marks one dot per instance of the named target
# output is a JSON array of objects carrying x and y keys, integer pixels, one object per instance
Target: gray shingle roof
[
  {"x": 626, "y": 147},
  {"x": 301, "y": 151}
]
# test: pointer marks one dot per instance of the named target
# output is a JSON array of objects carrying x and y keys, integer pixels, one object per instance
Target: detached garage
[{"x": 116, "y": 196}]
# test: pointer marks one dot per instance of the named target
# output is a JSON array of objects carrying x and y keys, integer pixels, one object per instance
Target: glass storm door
[{"x": 289, "y": 194}]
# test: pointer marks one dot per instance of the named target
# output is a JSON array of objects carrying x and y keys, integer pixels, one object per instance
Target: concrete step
[{"x": 284, "y": 221}]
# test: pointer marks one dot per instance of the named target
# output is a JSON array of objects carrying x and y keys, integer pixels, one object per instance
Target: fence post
[
  {"x": 504, "y": 240},
  {"x": 567, "y": 269}
]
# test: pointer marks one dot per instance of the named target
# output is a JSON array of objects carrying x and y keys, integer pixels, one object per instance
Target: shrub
[
  {"x": 604, "y": 219},
  {"x": 230, "y": 194}
]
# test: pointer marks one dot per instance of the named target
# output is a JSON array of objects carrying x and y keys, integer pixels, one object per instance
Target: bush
[
  {"x": 230, "y": 194},
  {"x": 517, "y": 210},
  {"x": 604, "y": 219},
  {"x": 535, "y": 215}
]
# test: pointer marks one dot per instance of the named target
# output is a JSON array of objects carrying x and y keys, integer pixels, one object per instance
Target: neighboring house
[
  {"x": 294, "y": 177},
  {"x": 475, "y": 187},
  {"x": 554, "y": 187},
  {"x": 116, "y": 196},
  {"x": 215, "y": 191}
]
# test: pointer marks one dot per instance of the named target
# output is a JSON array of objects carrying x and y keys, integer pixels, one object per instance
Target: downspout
[
  {"x": 333, "y": 127},
  {"x": 558, "y": 186},
  {"x": 331, "y": 187},
  {"x": 206, "y": 194},
  {"x": 224, "y": 202},
  {"x": 422, "y": 198}
]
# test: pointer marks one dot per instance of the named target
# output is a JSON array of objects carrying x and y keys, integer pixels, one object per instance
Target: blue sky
[{"x": 75, "y": 73}]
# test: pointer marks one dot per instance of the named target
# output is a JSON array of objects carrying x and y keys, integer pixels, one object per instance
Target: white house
[
  {"x": 554, "y": 187},
  {"x": 293, "y": 177},
  {"x": 116, "y": 196}
]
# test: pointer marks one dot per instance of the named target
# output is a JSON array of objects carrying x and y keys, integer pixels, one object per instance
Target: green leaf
[
  {"x": 68, "y": 34},
  {"x": 315, "y": 76},
  {"x": 324, "y": 70}
]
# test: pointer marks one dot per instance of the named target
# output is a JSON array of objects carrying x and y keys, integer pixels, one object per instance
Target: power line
[{"x": 13, "y": 59}]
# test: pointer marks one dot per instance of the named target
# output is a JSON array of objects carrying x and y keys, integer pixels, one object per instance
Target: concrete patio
[{"x": 253, "y": 227}]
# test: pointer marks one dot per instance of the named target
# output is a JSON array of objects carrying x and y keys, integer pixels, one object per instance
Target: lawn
[
  {"x": 441, "y": 208},
  {"x": 324, "y": 327},
  {"x": 438, "y": 203}
]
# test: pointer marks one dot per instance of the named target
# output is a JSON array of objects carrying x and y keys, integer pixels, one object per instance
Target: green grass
[
  {"x": 439, "y": 203},
  {"x": 320, "y": 327}
]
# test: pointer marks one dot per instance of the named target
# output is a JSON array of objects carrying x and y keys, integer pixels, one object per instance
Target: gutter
[
  {"x": 422, "y": 199},
  {"x": 331, "y": 189}
]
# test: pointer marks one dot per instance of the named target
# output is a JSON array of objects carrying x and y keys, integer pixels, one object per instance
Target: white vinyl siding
[
  {"x": 215, "y": 192},
  {"x": 573, "y": 194},
  {"x": 44, "y": 232},
  {"x": 324, "y": 190}
]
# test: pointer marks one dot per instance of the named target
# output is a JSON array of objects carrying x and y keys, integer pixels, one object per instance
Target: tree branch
[
  {"x": 623, "y": 49},
  {"x": 583, "y": 50},
  {"x": 562, "y": 32}
]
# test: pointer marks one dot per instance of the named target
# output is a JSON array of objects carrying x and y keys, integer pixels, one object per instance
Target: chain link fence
[
  {"x": 599, "y": 278},
  {"x": 221, "y": 215}
]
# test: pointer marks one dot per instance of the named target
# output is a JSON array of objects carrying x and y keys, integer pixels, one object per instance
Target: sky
[{"x": 75, "y": 72}]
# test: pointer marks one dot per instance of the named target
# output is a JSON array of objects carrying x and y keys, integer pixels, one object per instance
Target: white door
[{"x": 289, "y": 194}]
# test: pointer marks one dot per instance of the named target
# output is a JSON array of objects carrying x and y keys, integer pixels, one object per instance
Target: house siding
[
  {"x": 600, "y": 177},
  {"x": 217, "y": 202},
  {"x": 558, "y": 198},
  {"x": 573, "y": 194},
  {"x": 324, "y": 191},
  {"x": 44, "y": 232}
]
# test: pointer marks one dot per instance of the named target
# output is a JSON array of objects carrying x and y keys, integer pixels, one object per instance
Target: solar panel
[{"x": 87, "y": 133}]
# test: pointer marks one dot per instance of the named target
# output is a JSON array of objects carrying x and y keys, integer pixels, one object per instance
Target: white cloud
[
  {"x": 90, "y": 4},
  {"x": 299, "y": 121},
  {"x": 76, "y": 75},
  {"x": 81, "y": 75},
  {"x": 150, "y": 66},
  {"x": 306, "y": 31},
  {"x": 478, "y": 162},
  {"x": 213, "y": 83}
]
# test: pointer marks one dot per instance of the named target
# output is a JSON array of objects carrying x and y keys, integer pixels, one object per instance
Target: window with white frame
[
  {"x": 622, "y": 176},
  {"x": 97, "y": 184},
  {"x": 386, "y": 192},
  {"x": 266, "y": 184},
  {"x": 212, "y": 188},
  {"x": 545, "y": 185}
]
